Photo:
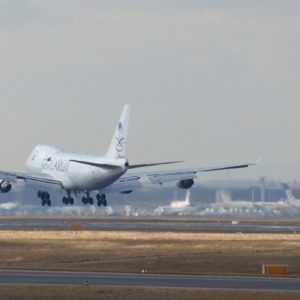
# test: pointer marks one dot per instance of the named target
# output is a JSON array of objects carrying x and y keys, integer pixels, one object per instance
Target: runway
[
  {"x": 156, "y": 225},
  {"x": 148, "y": 280}
]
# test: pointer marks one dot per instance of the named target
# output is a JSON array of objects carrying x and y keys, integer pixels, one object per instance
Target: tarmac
[
  {"x": 148, "y": 280},
  {"x": 159, "y": 225}
]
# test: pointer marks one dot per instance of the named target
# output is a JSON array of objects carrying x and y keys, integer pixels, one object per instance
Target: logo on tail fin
[{"x": 119, "y": 142}]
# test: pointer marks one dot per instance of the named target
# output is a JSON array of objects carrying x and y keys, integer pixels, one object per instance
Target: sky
[{"x": 209, "y": 82}]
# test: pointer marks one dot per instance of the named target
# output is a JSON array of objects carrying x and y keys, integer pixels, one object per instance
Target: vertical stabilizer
[
  {"x": 118, "y": 143},
  {"x": 289, "y": 192}
]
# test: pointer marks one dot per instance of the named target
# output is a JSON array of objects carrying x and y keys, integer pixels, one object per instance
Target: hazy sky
[{"x": 210, "y": 82}]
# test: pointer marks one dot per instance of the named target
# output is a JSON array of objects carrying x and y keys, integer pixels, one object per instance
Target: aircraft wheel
[
  {"x": 101, "y": 199},
  {"x": 90, "y": 200},
  {"x": 65, "y": 200},
  {"x": 45, "y": 197}
]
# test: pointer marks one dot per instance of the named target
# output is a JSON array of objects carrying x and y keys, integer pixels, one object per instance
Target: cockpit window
[{"x": 35, "y": 155}]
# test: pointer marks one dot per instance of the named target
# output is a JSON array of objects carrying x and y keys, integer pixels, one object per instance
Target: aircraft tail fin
[
  {"x": 223, "y": 197},
  {"x": 289, "y": 192},
  {"x": 118, "y": 143}
]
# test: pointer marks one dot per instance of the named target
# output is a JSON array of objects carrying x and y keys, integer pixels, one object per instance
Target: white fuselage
[
  {"x": 76, "y": 172},
  {"x": 181, "y": 204}
]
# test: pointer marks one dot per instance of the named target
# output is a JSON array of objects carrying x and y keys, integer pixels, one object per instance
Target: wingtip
[{"x": 259, "y": 160}]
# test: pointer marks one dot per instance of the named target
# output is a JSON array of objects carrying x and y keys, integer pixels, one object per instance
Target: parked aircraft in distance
[
  {"x": 176, "y": 207},
  {"x": 290, "y": 198},
  {"x": 225, "y": 205},
  {"x": 48, "y": 167}
]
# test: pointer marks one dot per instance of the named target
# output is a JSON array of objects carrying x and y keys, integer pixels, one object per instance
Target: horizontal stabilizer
[{"x": 93, "y": 164}]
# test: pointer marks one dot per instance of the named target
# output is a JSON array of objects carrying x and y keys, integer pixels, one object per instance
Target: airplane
[
  {"x": 49, "y": 167},
  {"x": 177, "y": 207},
  {"x": 178, "y": 204}
]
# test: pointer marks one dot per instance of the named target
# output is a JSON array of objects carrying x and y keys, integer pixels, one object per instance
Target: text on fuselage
[{"x": 60, "y": 165}]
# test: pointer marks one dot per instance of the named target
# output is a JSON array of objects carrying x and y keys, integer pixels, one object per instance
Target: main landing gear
[
  {"x": 88, "y": 199},
  {"x": 101, "y": 199},
  {"x": 68, "y": 199},
  {"x": 45, "y": 198}
]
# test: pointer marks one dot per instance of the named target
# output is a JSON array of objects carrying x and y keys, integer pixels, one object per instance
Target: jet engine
[
  {"x": 5, "y": 186},
  {"x": 126, "y": 192},
  {"x": 185, "y": 184}
]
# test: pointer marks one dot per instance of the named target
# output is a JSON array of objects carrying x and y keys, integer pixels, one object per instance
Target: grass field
[
  {"x": 42, "y": 292},
  {"x": 166, "y": 252}
]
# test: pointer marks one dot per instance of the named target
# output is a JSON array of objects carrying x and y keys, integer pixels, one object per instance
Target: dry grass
[
  {"x": 43, "y": 292},
  {"x": 167, "y": 252}
]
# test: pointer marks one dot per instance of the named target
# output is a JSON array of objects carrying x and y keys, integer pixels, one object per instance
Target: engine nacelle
[
  {"x": 126, "y": 192},
  {"x": 5, "y": 186},
  {"x": 185, "y": 184}
]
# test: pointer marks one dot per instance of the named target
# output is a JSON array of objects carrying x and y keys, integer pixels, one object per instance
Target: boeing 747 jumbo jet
[{"x": 73, "y": 173}]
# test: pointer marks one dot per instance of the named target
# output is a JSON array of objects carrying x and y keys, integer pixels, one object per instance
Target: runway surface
[
  {"x": 130, "y": 224},
  {"x": 148, "y": 280}
]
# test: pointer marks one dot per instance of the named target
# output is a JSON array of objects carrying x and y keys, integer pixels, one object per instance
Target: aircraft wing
[
  {"x": 132, "y": 181},
  {"x": 13, "y": 176},
  {"x": 184, "y": 174}
]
